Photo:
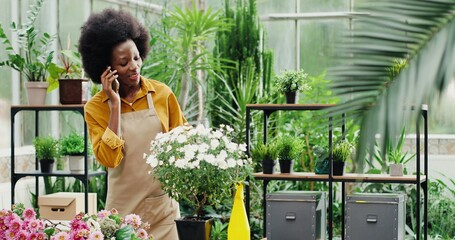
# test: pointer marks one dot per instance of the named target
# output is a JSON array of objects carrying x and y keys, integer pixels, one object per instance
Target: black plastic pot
[
  {"x": 338, "y": 168},
  {"x": 191, "y": 228},
  {"x": 268, "y": 166},
  {"x": 290, "y": 97},
  {"x": 46, "y": 165},
  {"x": 286, "y": 166}
]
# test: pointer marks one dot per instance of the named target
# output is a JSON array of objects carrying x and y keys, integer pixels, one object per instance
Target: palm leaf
[{"x": 422, "y": 33}]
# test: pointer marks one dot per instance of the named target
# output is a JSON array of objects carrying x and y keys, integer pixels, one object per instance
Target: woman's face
[{"x": 127, "y": 61}]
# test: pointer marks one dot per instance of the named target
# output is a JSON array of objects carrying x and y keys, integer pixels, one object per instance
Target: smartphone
[{"x": 115, "y": 84}]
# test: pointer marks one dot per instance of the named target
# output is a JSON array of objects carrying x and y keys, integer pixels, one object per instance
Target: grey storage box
[
  {"x": 375, "y": 216},
  {"x": 294, "y": 215}
]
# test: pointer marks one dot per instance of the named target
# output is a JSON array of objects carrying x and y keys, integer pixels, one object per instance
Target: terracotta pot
[
  {"x": 36, "y": 92},
  {"x": 72, "y": 91}
]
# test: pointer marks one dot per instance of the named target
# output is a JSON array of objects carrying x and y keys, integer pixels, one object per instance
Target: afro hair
[{"x": 102, "y": 32}]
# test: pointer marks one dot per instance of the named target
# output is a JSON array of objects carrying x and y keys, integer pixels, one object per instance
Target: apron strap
[{"x": 149, "y": 101}]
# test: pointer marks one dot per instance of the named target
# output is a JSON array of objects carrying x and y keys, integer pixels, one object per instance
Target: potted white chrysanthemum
[{"x": 198, "y": 165}]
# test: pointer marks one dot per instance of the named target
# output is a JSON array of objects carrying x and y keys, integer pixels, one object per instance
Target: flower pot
[
  {"x": 73, "y": 91},
  {"x": 238, "y": 227},
  {"x": 268, "y": 166},
  {"x": 36, "y": 92},
  {"x": 76, "y": 163},
  {"x": 290, "y": 97},
  {"x": 396, "y": 169},
  {"x": 46, "y": 165},
  {"x": 286, "y": 166},
  {"x": 322, "y": 166},
  {"x": 338, "y": 168},
  {"x": 191, "y": 228}
]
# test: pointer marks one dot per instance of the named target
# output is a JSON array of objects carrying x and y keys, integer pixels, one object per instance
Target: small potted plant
[
  {"x": 46, "y": 150},
  {"x": 267, "y": 155},
  {"x": 340, "y": 153},
  {"x": 69, "y": 77},
  {"x": 396, "y": 157},
  {"x": 286, "y": 153},
  {"x": 199, "y": 166},
  {"x": 35, "y": 56},
  {"x": 290, "y": 82},
  {"x": 72, "y": 146}
]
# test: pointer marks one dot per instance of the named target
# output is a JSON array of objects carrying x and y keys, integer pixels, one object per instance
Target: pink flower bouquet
[{"x": 21, "y": 223}]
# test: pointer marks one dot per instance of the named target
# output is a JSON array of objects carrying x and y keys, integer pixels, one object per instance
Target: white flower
[
  {"x": 171, "y": 159},
  {"x": 242, "y": 147},
  {"x": 152, "y": 161},
  {"x": 168, "y": 148},
  {"x": 217, "y": 134},
  {"x": 229, "y": 129},
  {"x": 240, "y": 162},
  {"x": 214, "y": 143},
  {"x": 181, "y": 139},
  {"x": 231, "y": 163},
  {"x": 210, "y": 158}
]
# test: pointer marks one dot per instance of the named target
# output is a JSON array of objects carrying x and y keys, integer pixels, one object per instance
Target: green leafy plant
[
  {"x": 341, "y": 151},
  {"x": 73, "y": 144},
  {"x": 46, "y": 148},
  {"x": 36, "y": 55},
  {"x": 291, "y": 81},
  {"x": 286, "y": 148},
  {"x": 382, "y": 105},
  {"x": 267, "y": 152},
  {"x": 70, "y": 68}
]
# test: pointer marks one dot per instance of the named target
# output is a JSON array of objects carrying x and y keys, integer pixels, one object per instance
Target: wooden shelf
[{"x": 348, "y": 177}]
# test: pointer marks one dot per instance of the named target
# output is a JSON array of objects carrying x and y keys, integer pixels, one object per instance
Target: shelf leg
[
  {"x": 264, "y": 204},
  {"x": 343, "y": 201}
]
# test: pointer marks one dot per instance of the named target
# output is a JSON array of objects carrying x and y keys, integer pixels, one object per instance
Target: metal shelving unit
[
  {"x": 83, "y": 177},
  {"x": 419, "y": 180}
]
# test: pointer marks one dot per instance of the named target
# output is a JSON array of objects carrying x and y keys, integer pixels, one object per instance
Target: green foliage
[
  {"x": 95, "y": 89},
  {"x": 291, "y": 81},
  {"x": 392, "y": 153},
  {"x": 46, "y": 148},
  {"x": 182, "y": 58},
  {"x": 422, "y": 33},
  {"x": 247, "y": 69},
  {"x": 73, "y": 144},
  {"x": 264, "y": 152},
  {"x": 441, "y": 209},
  {"x": 219, "y": 230},
  {"x": 286, "y": 148},
  {"x": 341, "y": 151},
  {"x": 36, "y": 56},
  {"x": 261, "y": 152},
  {"x": 70, "y": 68}
]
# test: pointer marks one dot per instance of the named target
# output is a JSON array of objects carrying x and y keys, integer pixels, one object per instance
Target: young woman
[{"x": 126, "y": 115}]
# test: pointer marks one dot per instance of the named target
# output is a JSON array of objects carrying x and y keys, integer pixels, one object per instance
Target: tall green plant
[
  {"x": 422, "y": 33},
  {"x": 36, "y": 55},
  {"x": 182, "y": 57},
  {"x": 246, "y": 77}
]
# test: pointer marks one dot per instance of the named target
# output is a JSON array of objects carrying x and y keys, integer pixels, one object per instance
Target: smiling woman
[{"x": 122, "y": 123}]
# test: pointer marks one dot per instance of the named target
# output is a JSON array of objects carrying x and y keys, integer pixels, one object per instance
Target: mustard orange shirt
[{"x": 108, "y": 146}]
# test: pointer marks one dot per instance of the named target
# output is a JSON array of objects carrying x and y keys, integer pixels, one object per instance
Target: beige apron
[{"x": 131, "y": 189}]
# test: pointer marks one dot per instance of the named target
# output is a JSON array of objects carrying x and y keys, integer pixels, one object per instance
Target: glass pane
[{"x": 5, "y": 80}]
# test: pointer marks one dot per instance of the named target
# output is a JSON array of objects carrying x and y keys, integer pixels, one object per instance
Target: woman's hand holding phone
[{"x": 110, "y": 84}]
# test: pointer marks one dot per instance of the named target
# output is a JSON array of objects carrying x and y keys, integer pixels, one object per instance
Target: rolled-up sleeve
[{"x": 107, "y": 146}]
